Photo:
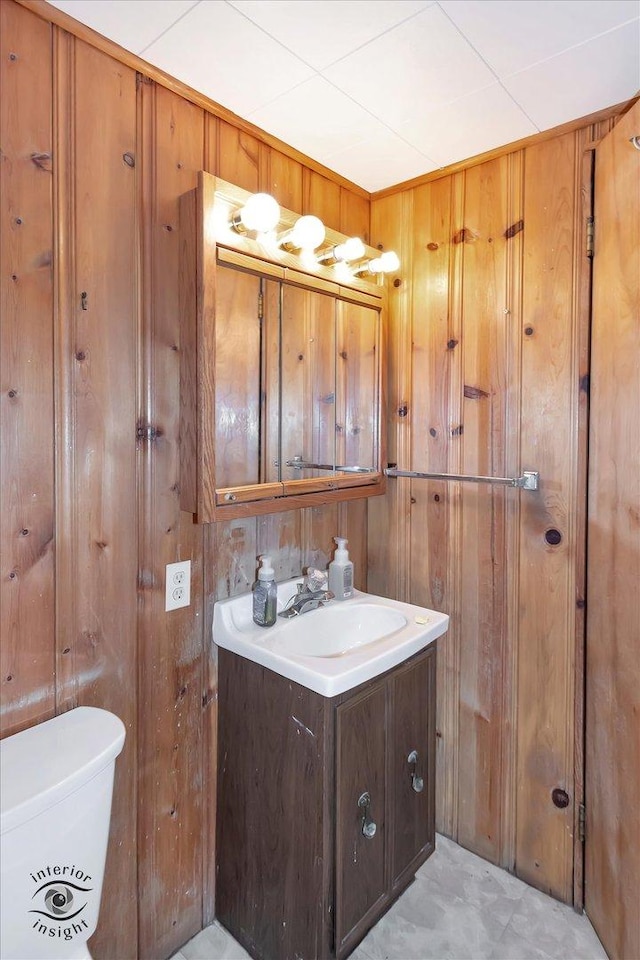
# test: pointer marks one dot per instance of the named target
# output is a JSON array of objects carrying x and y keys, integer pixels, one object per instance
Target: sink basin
[
  {"x": 334, "y": 648},
  {"x": 339, "y": 629}
]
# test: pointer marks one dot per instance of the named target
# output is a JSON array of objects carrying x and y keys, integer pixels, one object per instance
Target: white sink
[{"x": 331, "y": 649}]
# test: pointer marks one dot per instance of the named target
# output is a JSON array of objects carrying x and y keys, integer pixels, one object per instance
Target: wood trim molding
[
  {"x": 80, "y": 30},
  {"x": 616, "y": 111},
  {"x": 63, "y": 338}
]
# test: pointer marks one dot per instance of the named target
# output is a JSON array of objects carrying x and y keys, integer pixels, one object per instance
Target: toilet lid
[{"x": 42, "y": 765}]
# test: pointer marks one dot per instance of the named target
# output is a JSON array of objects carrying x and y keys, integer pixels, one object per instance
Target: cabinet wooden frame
[
  {"x": 292, "y": 766},
  {"x": 208, "y": 243}
]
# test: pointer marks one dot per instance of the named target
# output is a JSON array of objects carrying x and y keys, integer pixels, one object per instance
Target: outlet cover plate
[{"x": 177, "y": 585}]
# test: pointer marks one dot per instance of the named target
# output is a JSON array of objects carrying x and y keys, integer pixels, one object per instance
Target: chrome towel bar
[{"x": 528, "y": 480}]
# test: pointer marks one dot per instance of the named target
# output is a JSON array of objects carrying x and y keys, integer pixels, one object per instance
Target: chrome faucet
[{"x": 305, "y": 600}]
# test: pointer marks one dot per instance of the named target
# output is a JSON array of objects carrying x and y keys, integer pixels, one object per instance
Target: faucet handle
[{"x": 316, "y": 579}]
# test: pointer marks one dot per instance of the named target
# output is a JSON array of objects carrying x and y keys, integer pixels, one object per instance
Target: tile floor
[{"x": 459, "y": 908}]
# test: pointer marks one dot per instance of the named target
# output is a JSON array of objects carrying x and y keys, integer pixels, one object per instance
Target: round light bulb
[
  {"x": 342, "y": 271},
  {"x": 307, "y": 234},
  {"x": 386, "y": 263},
  {"x": 351, "y": 249},
  {"x": 260, "y": 213}
]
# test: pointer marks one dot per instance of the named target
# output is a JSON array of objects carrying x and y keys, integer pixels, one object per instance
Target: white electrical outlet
[{"x": 178, "y": 585}]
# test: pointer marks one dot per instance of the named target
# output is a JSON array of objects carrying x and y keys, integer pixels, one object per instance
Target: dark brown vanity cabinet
[{"x": 325, "y": 806}]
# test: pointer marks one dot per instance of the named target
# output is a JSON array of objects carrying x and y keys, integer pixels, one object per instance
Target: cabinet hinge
[
  {"x": 581, "y": 822},
  {"x": 261, "y": 306},
  {"x": 590, "y": 234}
]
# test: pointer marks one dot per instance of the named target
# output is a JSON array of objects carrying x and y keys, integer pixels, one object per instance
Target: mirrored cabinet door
[
  {"x": 238, "y": 358},
  {"x": 281, "y": 372},
  {"x": 246, "y": 378},
  {"x": 308, "y": 406},
  {"x": 357, "y": 386}
]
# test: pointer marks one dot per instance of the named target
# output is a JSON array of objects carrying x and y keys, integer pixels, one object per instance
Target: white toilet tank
[{"x": 56, "y": 783}]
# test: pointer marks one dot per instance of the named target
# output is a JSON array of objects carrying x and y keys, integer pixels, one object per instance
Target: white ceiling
[{"x": 381, "y": 91}]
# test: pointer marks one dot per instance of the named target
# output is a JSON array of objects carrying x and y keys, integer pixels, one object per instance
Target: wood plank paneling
[
  {"x": 612, "y": 867},
  {"x": 585, "y": 142},
  {"x": 484, "y": 568},
  {"x": 282, "y": 177},
  {"x": 96, "y": 568},
  {"x": 548, "y": 443},
  {"x": 355, "y": 219},
  {"x": 122, "y": 161},
  {"x": 513, "y": 404},
  {"x": 493, "y": 258},
  {"x": 321, "y": 197},
  {"x": 171, "y": 680},
  {"x": 354, "y": 215},
  {"x": 238, "y": 157},
  {"x": 104, "y": 190},
  {"x": 388, "y": 523},
  {"x": 27, "y": 625},
  {"x": 435, "y": 378}
]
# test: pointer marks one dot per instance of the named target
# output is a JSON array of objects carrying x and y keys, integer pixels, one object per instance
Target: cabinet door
[
  {"x": 360, "y": 769},
  {"x": 307, "y": 357},
  {"x": 412, "y": 767},
  {"x": 245, "y": 378},
  {"x": 357, "y": 385}
]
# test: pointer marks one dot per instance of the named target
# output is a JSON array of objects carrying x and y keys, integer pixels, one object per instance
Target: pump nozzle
[
  {"x": 341, "y": 553},
  {"x": 265, "y": 571}
]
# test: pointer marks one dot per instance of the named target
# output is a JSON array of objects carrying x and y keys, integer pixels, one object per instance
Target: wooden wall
[
  {"x": 489, "y": 362},
  {"x": 612, "y": 761},
  {"x": 94, "y": 158}
]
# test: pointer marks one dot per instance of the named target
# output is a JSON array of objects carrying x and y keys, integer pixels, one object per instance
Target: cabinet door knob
[
  {"x": 416, "y": 782},
  {"x": 368, "y": 826}
]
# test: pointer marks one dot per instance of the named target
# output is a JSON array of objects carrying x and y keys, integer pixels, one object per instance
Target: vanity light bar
[
  {"x": 386, "y": 263},
  {"x": 307, "y": 234},
  {"x": 260, "y": 214},
  {"x": 351, "y": 249}
]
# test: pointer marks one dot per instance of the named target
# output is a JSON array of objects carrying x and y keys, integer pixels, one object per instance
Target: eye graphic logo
[
  {"x": 62, "y": 901},
  {"x": 62, "y": 894}
]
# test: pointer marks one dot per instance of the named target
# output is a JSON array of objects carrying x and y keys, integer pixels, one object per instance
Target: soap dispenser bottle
[
  {"x": 265, "y": 595},
  {"x": 341, "y": 572}
]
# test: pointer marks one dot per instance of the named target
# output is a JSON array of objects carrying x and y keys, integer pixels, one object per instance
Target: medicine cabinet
[{"x": 281, "y": 366}]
